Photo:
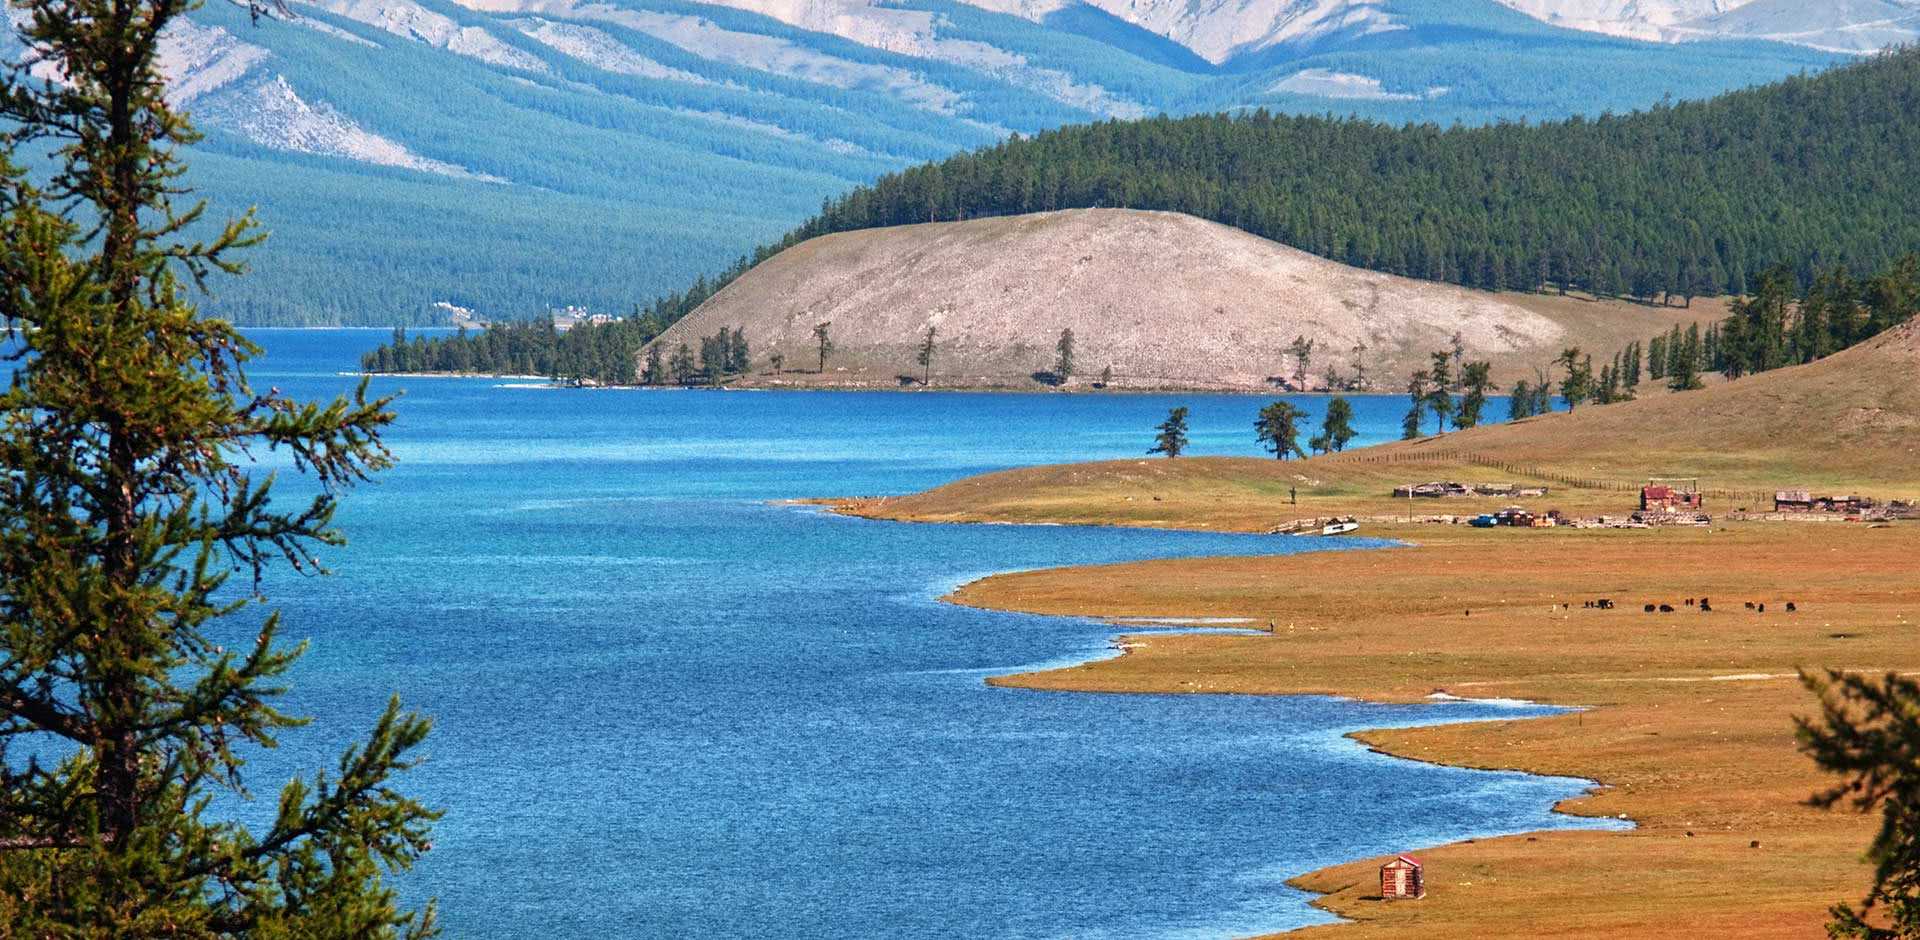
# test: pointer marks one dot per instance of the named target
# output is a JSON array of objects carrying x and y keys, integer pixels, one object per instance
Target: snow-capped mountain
[
  {"x": 1849, "y": 26},
  {"x": 510, "y": 155}
]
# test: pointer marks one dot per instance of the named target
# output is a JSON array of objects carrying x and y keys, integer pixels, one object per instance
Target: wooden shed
[{"x": 1401, "y": 880}]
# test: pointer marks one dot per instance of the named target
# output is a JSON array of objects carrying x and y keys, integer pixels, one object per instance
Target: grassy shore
[
  {"x": 1689, "y": 715},
  {"x": 1688, "y": 718}
]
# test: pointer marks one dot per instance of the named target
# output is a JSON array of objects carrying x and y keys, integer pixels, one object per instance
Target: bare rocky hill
[{"x": 1164, "y": 300}]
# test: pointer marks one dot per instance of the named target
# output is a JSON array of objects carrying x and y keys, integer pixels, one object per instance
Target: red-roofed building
[{"x": 1662, "y": 497}]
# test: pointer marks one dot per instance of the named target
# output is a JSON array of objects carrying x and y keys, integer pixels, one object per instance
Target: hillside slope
[
  {"x": 1851, "y": 417},
  {"x": 1165, "y": 300},
  {"x": 1691, "y": 199}
]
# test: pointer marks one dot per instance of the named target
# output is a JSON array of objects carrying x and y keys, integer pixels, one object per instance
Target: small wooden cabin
[{"x": 1400, "y": 880}]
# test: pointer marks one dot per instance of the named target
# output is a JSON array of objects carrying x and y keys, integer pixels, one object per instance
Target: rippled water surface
[{"x": 666, "y": 707}]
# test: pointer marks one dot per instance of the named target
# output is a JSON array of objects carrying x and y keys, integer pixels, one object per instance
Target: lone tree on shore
[
  {"x": 1278, "y": 427},
  {"x": 824, "y": 338},
  {"x": 778, "y": 361},
  {"x": 1336, "y": 429},
  {"x": 130, "y": 500},
  {"x": 1868, "y": 733},
  {"x": 1063, "y": 357},
  {"x": 1172, "y": 439},
  {"x": 925, "y": 359}
]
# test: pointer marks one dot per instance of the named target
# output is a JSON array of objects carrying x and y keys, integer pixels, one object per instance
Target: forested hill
[{"x": 1688, "y": 199}]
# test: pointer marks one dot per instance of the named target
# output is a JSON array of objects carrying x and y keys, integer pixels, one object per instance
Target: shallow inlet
[{"x": 665, "y": 707}]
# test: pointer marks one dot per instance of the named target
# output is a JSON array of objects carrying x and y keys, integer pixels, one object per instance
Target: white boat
[{"x": 1339, "y": 528}]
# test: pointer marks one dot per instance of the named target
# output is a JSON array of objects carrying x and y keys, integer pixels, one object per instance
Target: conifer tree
[
  {"x": 1336, "y": 429},
  {"x": 1278, "y": 427},
  {"x": 1475, "y": 382},
  {"x": 1439, "y": 396},
  {"x": 823, "y": 337},
  {"x": 1686, "y": 376},
  {"x": 130, "y": 501},
  {"x": 1172, "y": 439},
  {"x": 925, "y": 358},
  {"x": 655, "y": 371},
  {"x": 1577, "y": 386},
  {"x": 1063, "y": 357},
  {"x": 1868, "y": 733},
  {"x": 739, "y": 356},
  {"x": 1520, "y": 401},
  {"x": 681, "y": 365},
  {"x": 1302, "y": 350},
  {"x": 1417, "y": 392},
  {"x": 1542, "y": 392}
]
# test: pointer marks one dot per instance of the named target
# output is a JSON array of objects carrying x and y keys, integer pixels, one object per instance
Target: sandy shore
[{"x": 1689, "y": 715}]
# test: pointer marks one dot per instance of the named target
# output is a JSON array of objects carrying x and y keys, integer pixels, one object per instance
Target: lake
[{"x": 668, "y": 706}]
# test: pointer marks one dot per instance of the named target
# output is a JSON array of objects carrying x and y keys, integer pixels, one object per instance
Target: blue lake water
[{"x": 668, "y": 707}]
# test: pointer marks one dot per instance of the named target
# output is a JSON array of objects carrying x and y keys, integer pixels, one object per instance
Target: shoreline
[
  {"x": 1686, "y": 734},
  {"x": 1123, "y": 644},
  {"x": 888, "y": 388}
]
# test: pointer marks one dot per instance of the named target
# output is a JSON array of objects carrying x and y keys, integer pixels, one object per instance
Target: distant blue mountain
[{"x": 519, "y": 155}]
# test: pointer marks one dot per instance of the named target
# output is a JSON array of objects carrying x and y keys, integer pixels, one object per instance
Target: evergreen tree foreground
[{"x": 136, "y": 530}]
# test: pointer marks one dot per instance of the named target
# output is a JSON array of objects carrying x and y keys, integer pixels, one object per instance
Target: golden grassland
[
  {"x": 1690, "y": 727},
  {"x": 1688, "y": 720}
]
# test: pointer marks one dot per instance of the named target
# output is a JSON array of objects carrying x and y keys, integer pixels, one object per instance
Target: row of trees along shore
[
  {"x": 1781, "y": 323},
  {"x": 606, "y": 354},
  {"x": 1277, "y": 427}
]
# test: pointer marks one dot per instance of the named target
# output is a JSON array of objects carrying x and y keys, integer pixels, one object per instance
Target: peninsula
[{"x": 1687, "y": 717}]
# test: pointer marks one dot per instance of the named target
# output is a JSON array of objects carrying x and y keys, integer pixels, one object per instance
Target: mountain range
[{"x": 513, "y": 156}]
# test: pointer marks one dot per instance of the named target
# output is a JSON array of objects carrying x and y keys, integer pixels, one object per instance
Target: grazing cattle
[
  {"x": 1761, "y": 608},
  {"x": 1703, "y": 602},
  {"x": 1689, "y": 602},
  {"x": 1666, "y": 608},
  {"x": 1705, "y": 607},
  {"x": 1792, "y": 607},
  {"x": 1650, "y": 608},
  {"x": 1749, "y": 605}
]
